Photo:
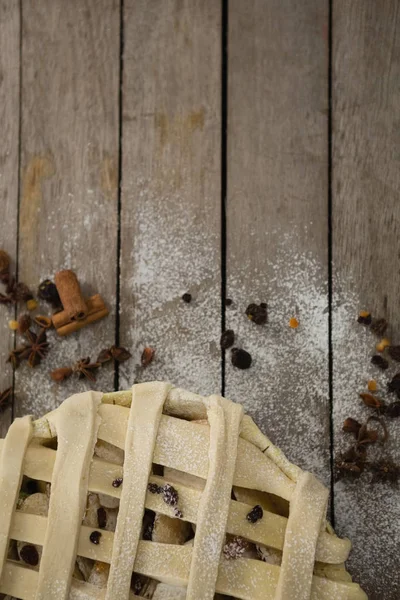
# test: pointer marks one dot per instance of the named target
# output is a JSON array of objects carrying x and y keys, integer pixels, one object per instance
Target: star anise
[
  {"x": 33, "y": 352},
  {"x": 385, "y": 470},
  {"x": 15, "y": 292},
  {"x": 84, "y": 368},
  {"x": 5, "y": 399}
]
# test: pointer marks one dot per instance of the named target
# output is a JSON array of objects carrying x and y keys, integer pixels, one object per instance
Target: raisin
[
  {"x": 255, "y": 514},
  {"x": 240, "y": 358}
]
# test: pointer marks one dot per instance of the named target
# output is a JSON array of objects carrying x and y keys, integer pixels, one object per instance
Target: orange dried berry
[
  {"x": 293, "y": 323},
  {"x": 364, "y": 317},
  {"x": 384, "y": 343},
  {"x": 13, "y": 325},
  {"x": 372, "y": 385},
  {"x": 32, "y": 304}
]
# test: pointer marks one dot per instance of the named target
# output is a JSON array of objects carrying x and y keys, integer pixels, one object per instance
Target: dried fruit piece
[
  {"x": 61, "y": 374},
  {"x": 379, "y": 361},
  {"x": 24, "y": 322},
  {"x": 147, "y": 356},
  {"x": 379, "y": 326},
  {"x": 29, "y": 555},
  {"x": 394, "y": 385},
  {"x": 170, "y": 495},
  {"x": 13, "y": 325},
  {"x": 120, "y": 354},
  {"x": 117, "y": 482},
  {"x": 255, "y": 514},
  {"x": 187, "y": 298},
  {"x": 394, "y": 353},
  {"x": 47, "y": 291},
  {"x": 370, "y": 400},
  {"x": 352, "y": 426},
  {"x": 95, "y": 537},
  {"x": 257, "y": 313},
  {"x": 393, "y": 410},
  {"x": 240, "y": 358},
  {"x": 364, "y": 317},
  {"x": 372, "y": 385},
  {"x": 102, "y": 517},
  {"x": 384, "y": 343},
  {"x": 31, "y": 304},
  {"x": 293, "y": 323},
  {"x": 227, "y": 339},
  {"x": 228, "y": 302},
  {"x": 43, "y": 321}
]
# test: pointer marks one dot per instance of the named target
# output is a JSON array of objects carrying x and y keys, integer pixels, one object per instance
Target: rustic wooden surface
[
  {"x": 170, "y": 219},
  {"x": 366, "y": 251},
  {"x": 69, "y": 173},
  {"x": 164, "y": 128},
  {"x": 9, "y": 157}
]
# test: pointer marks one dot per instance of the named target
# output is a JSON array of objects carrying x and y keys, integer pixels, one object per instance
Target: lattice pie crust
[{"x": 160, "y": 482}]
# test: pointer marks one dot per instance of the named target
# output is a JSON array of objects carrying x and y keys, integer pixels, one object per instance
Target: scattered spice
[
  {"x": 235, "y": 548},
  {"x": 187, "y": 298},
  {"x": 394, "y": 385},
  {"x": 393, "y": 410},
  {"x": 352, "y": 426},
  {"x": 293, "y": 323},
  {"x": 394, "y": 353},
  {"x": 47, "y": 291},
  {"x": 154, "y": 488},
  {"x": 31, "y": 304},
  {"x": 61, "y": 374},
  {"x": 384, "y": 343},
  {"x": 24, "y": 322},
  {"x": 255, "y": 514},
  {"x": 364, "y": 318},
  {"x": 257, "y": 313},
  {"x": 147, "y": 356},
  {"x": 228, "y": 302},
  {"x": 379, "y": 326},
  {"x": 380, "y": 362},
  {"x": 84, "y": 368},
  {"x": 370, "y": 400},
  {"x": 43, "y": 321},
  {"x": 240, "y": 358},
  {"x": 227, "y": 339},
  {"x": 118, "y": 354},
  {"x": 385, "y": 471},
  {"x": 5, "y": 398},
  {"x": 29, "y": 555},
  {"x": 102, "y": 517},
  {"x": 13, "y": 325},
  {"x": 95, "y": 537},
  {"x": 372, "y": 385},
  {"x": 170, "y": 495},
  {"x": 117, "y": 482}
]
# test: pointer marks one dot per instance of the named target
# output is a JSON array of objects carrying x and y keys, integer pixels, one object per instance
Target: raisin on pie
[{"x": 160, "y": 493}]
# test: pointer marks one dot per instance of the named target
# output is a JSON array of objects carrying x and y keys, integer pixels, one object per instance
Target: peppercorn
[
  {"x": 255, "y": 514},
  {"x": 227, "y": 339},
  {"x": 117, "y": 482},
  {"x": 187, "y": 298},
  {"x": 240, "y": 358}
]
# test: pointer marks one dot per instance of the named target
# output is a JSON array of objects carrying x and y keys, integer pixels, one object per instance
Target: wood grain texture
[
  {"x": 277, "y": 216},
  {"x": 170, "y": 223},
  {"x": 9, "y": 119},
  {"x": 366, "y": 251},
  {"x": 69, "y": 175}
]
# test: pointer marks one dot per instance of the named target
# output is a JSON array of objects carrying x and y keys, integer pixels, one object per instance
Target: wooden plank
[
  {"x": 170, "y": 225},
  {"x": 277, "y": 216},
  {"x": 366, "y": 249},
  {"x": 9, "y": 118},
  {"x": 68, "y": 214}
]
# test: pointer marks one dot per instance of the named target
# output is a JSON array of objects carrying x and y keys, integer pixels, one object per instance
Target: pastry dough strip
[
  {"x": 306, "y": 518},
  {"x": 11, "y": 463},
  {"x": 215, "y": 499},
  {"x": 76, "y": 422},
  {"x": 141, "y": 433}
]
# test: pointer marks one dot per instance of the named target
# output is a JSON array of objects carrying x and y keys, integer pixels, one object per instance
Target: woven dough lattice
[{"x": 173, "y": 476}]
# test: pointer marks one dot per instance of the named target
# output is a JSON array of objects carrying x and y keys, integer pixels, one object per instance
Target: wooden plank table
[{"x": 242, "y": 151}]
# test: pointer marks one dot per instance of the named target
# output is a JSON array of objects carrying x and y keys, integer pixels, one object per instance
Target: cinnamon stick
[{"x": 69, "y": 290}]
